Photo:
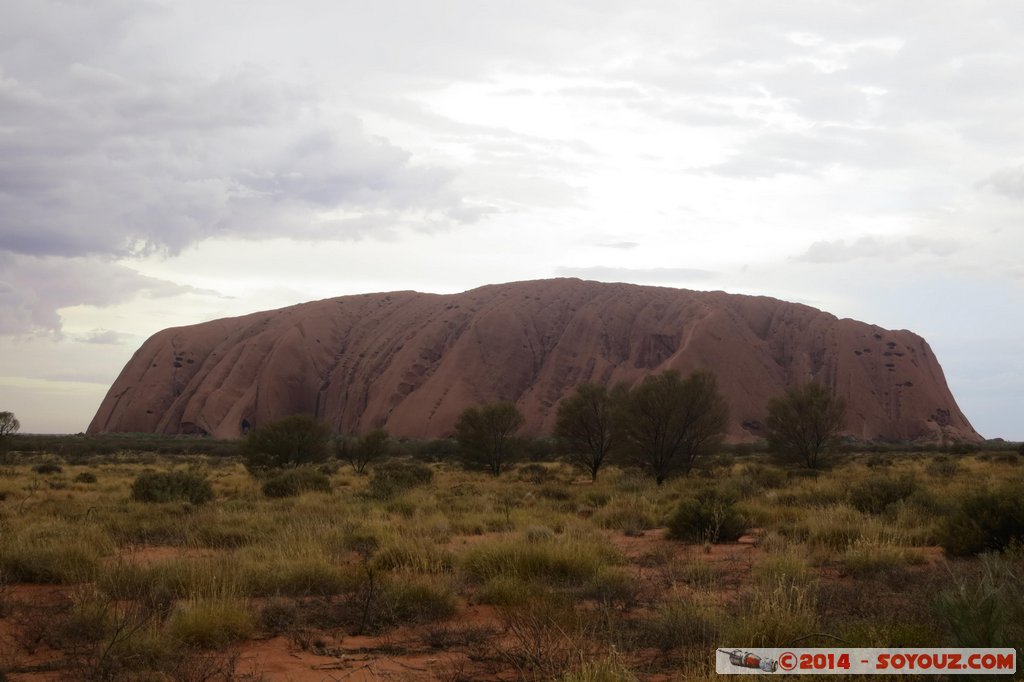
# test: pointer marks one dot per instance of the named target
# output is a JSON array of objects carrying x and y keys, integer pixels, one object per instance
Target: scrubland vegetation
[{"x": 186, "y": 566}]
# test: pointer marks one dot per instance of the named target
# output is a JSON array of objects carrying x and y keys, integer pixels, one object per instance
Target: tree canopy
[
  {"x": 291, "y": 441},
  {"x": 804, "y": 423},
  {"x": 8, "y": 424},
  {"x": 667, "y": 422},
  {"x": 360, "y": 452},
  {"x": 486, "y": 434},
  {"x": 585, "y": 428}
]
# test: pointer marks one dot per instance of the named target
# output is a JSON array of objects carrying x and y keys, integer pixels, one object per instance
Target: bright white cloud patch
[{"x": 165, "y": 163}]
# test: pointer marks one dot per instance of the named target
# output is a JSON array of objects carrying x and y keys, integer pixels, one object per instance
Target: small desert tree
[
  {"x": 667, "y": 422},
  {"x": 803, "y": 424},
  {"x": 360, "y": 452},
  {"x": 585, "y": 425},
  {"x": 486, "y": 434},
  {"x": 9, "y": 425},
  {"x": 298, "y": 439}
]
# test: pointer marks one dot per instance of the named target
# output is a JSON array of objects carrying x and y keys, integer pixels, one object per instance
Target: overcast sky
[{"x": 168, "y": 162}]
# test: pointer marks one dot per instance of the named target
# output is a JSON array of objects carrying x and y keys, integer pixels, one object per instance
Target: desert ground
[{"x": 421, "y": 569}]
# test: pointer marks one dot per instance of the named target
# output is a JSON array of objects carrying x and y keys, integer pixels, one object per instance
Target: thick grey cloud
[
  {"x": 131, "y": 165},
  {"x": 131, "y": 125},
  {"x": 34, "y": 288}
]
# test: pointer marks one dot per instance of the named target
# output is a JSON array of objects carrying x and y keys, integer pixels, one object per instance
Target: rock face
[{"x": 412, "y": 362}]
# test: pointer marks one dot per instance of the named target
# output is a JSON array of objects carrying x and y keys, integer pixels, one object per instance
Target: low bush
[
  {"x": 764, "y": 477},
  {"x": 678, "y": 623},
  {"x": 773, "y": 615},
  {"x": 707, "y": 518},
  {"x": 48, "y": 468},
  {"x": 835, "y": 527},
  {"x": 876, "y": 493},
  {"x": 784, "y": 568},
  {"x": 211, "y": 623},
  {"x": 300, "y": 576},
  {"x": 393, "y": 478},
  {"x": 985, "y": 520},
  {"x": 964, "y": 448},
  {"x": 85, "y": 477},
  {"x": 612, "y": 587},
  {"x": 414, "y": 555},
  {"x": 280, "y": 616},
  {"x": 410, "y": 599},
  {"x": 67, "y": 561},
  {"x": 943, "y": 467},
  {"x": 170, "y": 487},
  {"x": 1006, "y": 458},
  {"x": 631, "y": 514},
  {"x": 534, "y": 473},
  {"x": 293, "y": 482},
  {"x": 984, "y": 604},
  {"x": 871, "y": 557},
  {"x": 509, "y": 590},
  {"x": 554, "y": 561}
]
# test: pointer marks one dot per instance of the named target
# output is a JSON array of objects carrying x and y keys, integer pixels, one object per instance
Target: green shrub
[
  {"x": 773, "y": 615},
  {"x": 509, "y": 590},
  {"x": 985, "y": 520},
  {"x": 612, "y": 587},
  {"x": 943, "y": 467},
  {"x": 300, "y": 576},
  {"x": 211, "y": 623},
  {"x": 631, "y": 514},
  {"x": 171, "y": 486},
  {"x": 392, "y": 478},
  {"x": 870, "y": 557},
  {"x": 413, "y": 555},
  {"x": 534, "y": 473},
  {"x": 555, "y": 561},
  {"x": 539, "y": 534},
  {"x": 64, "y": 560},
  {"x": 85, "y": 477},
  {"x": 707, "y": 518},
  {"x": 984, "y": 607},
  {"x": 280, "y": 616},
  {"x": 297, "y": 439},
  {"x": 764, "y": 477},
  {"x": 410, "y": 599},
  {"x": 677, "y": 623},
  {"x": 874, "y": 495},
  {"x": 293, "y": 482},
  {"x": 48, "y": 468}
]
